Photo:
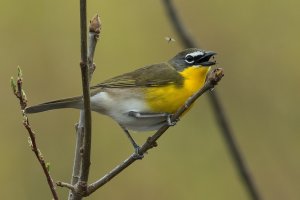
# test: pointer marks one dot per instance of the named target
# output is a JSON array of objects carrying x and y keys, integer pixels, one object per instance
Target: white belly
[{"x": 117, "y": 103}]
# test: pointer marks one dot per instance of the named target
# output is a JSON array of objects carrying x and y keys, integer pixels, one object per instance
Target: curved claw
[
  {"x": 170, "y": 122},
  {"x": 137, "y": 154}
]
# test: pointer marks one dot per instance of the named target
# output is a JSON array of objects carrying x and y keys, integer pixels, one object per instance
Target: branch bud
[
  {"x": 24, "y": 97},
  {"x": 48, "y": 166},
  {"x": 20, "y": 74},
  {"x": 95, "y": 24},
  {"x": 13, "y": 85}
]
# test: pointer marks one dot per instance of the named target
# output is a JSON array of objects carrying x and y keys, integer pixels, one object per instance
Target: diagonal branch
[
  {"x": 218, "y": 110},
  {"x": 20, "y": 94},
  {"x": 213, "y": 78}
]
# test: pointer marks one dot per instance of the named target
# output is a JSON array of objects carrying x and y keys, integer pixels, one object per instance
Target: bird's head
[{"x": 192, "y": 57}]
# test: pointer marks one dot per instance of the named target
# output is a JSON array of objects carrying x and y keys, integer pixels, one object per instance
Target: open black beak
[{"x": 204, "y": 60}]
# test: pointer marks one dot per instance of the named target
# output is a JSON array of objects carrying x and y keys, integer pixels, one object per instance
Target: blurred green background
[{"x": 258, "y": 46}]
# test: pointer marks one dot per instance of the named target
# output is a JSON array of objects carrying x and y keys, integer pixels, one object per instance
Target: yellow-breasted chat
[{"x": 144, "y": 99}]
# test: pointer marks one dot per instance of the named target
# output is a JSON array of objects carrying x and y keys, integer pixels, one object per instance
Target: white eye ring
[{"x": 189, "y": 59}]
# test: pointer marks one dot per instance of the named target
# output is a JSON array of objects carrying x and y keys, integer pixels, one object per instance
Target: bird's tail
[{"x": 73, "y": 102}]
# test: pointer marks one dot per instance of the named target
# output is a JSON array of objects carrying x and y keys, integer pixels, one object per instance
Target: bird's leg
[{"x": 134, "y": 144}]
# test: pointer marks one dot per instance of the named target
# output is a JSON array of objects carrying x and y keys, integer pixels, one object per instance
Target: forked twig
[{"x": 20, "y": 94}]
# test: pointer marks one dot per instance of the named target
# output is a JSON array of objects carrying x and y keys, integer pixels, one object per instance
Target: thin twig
[
  {"x": 94, "y": 34},
  {"x": 218, "y": 110},
  {"x": 66, "y": 185},
  {"x": 77, "y": 157},
  {"x": 213, "y": 78},
  {"x": 20, "y": 94},
  {"x": 83, "y": 127},
  {"x": 82, "y": 149}
]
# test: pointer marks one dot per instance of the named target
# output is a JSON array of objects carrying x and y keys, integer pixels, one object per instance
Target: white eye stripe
[
  {"x": 196, "y": 53},
  {"x": 189, "y": 58}
]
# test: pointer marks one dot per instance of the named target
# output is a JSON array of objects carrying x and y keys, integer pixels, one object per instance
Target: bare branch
[
  {"x": 83, "y": 141},
  {"x": 86, "y": 148},
  {"x": 94, "y": 33},
  {"x": 213, "y": 78},
  {"x": 219, "y": 112},
  {"x": 20, "y": 94},
  {"x": 77, "y": 157}
]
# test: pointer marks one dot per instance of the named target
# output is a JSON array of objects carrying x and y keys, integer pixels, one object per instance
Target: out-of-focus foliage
[{"x": 258, "y": 46}]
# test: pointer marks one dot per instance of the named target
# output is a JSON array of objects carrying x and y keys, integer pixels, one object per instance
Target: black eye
[{"x": 189, "y": 59}]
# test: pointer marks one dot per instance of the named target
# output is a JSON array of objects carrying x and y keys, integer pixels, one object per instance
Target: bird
[{"x": 146, "y": 98}]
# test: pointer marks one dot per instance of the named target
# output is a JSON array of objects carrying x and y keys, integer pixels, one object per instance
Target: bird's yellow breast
[{"x": 169, "y": 98}]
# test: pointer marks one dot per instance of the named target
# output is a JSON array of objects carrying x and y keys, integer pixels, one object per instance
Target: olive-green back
[{"x": 150, "y": 76}]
